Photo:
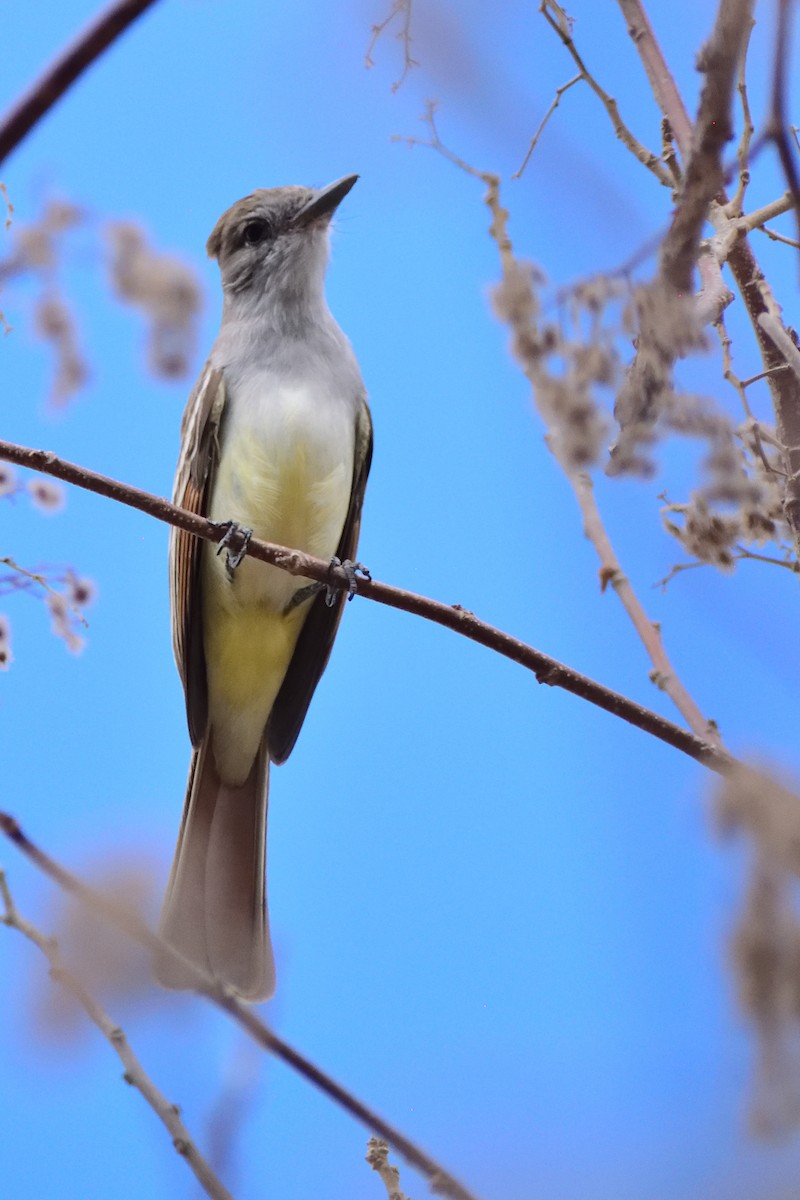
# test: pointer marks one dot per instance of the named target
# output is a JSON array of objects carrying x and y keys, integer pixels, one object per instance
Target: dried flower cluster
[
  {"x": 765, "y": 942},
  {"x": 38, "y": 252},
  {"x": 164, "y": 289},
  {"x": 565, "y": 372},
  {"x": 575, "y": 366},
  {"x": 65, "y": 595},
  {"x": 161, "y": 287}
]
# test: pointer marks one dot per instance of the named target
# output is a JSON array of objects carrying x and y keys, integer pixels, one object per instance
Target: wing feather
[
  {"x": 193, "y": 479},
  {"x": 319, "y": 628}
]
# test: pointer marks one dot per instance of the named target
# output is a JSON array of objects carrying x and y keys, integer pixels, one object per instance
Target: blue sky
[{"x": 499, "y": 914}]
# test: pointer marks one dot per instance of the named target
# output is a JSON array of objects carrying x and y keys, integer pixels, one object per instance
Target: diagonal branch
[
  {"x": 452, "y": 616},
  {"x": 63, "y": 72},
  {"x": 135, "y": 928},
  {"x": 135, "y": 1074},
  {"x": 559, "y": 22}
]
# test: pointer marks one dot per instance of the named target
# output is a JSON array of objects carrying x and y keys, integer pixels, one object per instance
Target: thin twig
[
  {"x": 740, "y": 388},
  {"x": 774, "y": 236},
  {"x": 676, "y": 570},
  {"x": 452, "y": 616},
  {"x": 558, "y": 21},
  {"x": 63, "y": 72},
  {"x": 743, "y": 149},
  {"x": 134, "y": 1072},
  {"x": 741, "y": 554},
  {"x": 398, "y": 6},
  {"x": 554, "y": 103},
  {"x": 33, "y": 577},
  {"x": 135, "y": 928},
  {"x": 788, "y": 563},
  {"x": 663, "y": 675}
]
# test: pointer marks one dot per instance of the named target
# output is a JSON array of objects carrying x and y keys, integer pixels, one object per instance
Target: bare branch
[
  {"x": 743, "y": 149},
  {"x": 663, "y": 675},
  {"x": 135, "y": 928},
  {"x": 68, "y": 67},
  {"x": 452, "y": 616},
  {"x": 557, "y": 19},
  {"x": 768, "y": 212},
  {"x": 135, "y": 1074},
  {"x": 399, "y": 7},
  {"x": 41, "y": 581},
  {"x": 668, "y": 98},
  {"x": 774, "y": 236},
  {"x": 553, "y": 106}
]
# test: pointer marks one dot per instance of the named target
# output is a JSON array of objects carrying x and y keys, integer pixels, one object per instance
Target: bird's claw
[
  {"x": 235, "y": 541},
  {"x": 352, "y": 571}
]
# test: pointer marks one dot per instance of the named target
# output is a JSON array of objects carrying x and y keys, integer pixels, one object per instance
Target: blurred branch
[
  {"x": 776, "y": 129},
  {"x": 26, "y": 578},
  {"x": 136, "y": 929},
  {"x": 398, "y": 7},
  {"x": 63, "y": 72},
  {"x": 752, "y": 285},
  {"x": 134, "y": 1073},
  {"x": 554, "y": 103},
  {"x": 546, "y": 669}
]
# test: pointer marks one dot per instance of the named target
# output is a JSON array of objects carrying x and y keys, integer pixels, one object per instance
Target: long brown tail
[{"x": 215, "y": 909}]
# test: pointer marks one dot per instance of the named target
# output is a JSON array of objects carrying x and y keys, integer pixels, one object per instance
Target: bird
[{"x": 276, "y": 441}]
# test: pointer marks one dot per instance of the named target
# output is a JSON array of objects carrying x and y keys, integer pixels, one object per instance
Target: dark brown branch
[
  {"x": 777, "y": 128},
  {"x": 62, "y": 73},
  {"x": 223, "y": 998},
  {"x": 452, "y": 616}
]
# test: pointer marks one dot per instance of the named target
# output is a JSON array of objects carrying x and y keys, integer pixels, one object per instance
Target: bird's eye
[{"x": 255, "y": 232}]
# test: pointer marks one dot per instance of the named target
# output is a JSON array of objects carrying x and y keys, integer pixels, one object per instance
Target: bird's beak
[{"x": 325, "y": 202}]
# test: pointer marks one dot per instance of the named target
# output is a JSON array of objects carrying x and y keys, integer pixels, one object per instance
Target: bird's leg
[
  {"x": 235, "y": 541},
  {"x": 352, "y": 571}
]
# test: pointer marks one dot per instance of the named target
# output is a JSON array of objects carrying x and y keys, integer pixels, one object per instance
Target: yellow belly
[{"x": 249, "y": 630}]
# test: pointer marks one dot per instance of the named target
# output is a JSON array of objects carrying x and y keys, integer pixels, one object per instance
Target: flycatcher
[{"x": 276, "y": 438}]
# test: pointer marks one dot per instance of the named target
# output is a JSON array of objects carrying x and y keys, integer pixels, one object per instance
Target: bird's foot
[
  {"x": 352, "y": 571},
  {"x": 235, "y": 542}
]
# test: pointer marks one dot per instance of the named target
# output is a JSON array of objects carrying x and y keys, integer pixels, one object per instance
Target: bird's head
[{"x": 274, "y": 242}]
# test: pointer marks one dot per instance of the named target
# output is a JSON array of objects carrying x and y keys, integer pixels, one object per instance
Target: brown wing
[
  {"x": 319, "y": 628},
  {"x": 193, "y": 478}
]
